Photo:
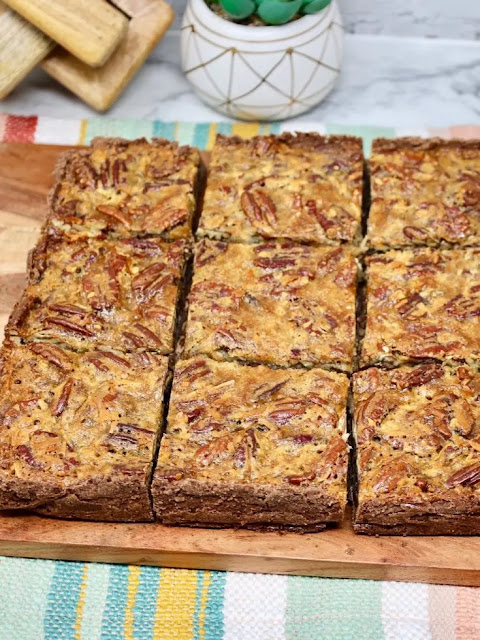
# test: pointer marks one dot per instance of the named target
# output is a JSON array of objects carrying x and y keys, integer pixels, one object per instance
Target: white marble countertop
[{"x": 386, "y": 81}]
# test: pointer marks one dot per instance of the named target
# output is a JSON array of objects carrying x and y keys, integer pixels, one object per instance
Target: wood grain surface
[
  {"x": 91, "y": 30},
  {"x": 22, "y": 47},
  {"x": 100, "y": 87},
  {"x": 25, "y": 178}
]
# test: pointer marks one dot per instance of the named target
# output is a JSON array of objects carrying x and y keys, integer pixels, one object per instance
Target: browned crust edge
[
  {"x": 390, "y": 145},
  {"x": 102, "y": 142},
  {"x": 103, "y": 498},
  {"x": 299, "y": 140},
  {"x": 214, "y": 504},
  {"x": 440, "y": 516}
]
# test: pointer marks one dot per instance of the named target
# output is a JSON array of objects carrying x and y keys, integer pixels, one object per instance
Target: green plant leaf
[
  {"x": 278, "y": 11},
  {"x": 313, "y": 6},
  {"x": 238, "y": 9}
]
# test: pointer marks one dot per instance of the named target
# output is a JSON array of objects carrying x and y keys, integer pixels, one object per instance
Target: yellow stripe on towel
[{"x": 175, "y": 605}]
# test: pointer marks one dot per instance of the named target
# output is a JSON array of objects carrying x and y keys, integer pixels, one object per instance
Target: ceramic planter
[{"x": 261, "y": 73}]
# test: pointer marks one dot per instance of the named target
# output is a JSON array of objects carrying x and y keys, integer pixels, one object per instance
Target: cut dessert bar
[
  {"x": 424, "y": 192},
  {"x": 423, "y": 303},
  {"x": 90, "y": 293},
  {"x": 303, "y": 187},
  {"x": 127, "y": 187},
  {"x": 254, "y": 447},
  {"x": 275, "y": 303},
  {"x": 78, "y": 431},
  {"x": 418, "y": 450}
]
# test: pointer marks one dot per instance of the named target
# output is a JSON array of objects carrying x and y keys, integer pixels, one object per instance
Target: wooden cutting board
[{"x": 25, "y": 178}]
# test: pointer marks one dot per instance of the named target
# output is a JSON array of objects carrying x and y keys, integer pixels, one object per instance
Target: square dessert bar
[
  {"x": 424, "y": 192},
  {"x": 423, "y": 303},
  {"x": 418, "y": 450},
  {"x": 302, "y": 187},
  {"x": 253, "y": 447},
  {"x": 276, "y": 303},
  {"x": 119, "y": 294},
  {"x": 126, "y": 187},
  {"x": 78, "y": 431}
]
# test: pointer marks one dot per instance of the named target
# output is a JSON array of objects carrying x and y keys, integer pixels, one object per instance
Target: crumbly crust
[
  {"x": 418, "y": 450},
  {"x": 424, "y": 192},
  {"x": 303, "y": 187},
  {"x": 126, "y": 187},
  {"x": 120, "y": 294},
  {"x": 78, "y": 431},
  {"x": 248, "y": 446},
  {"x": 423, "y": 303},
  {"x": 276, "y": 303}
]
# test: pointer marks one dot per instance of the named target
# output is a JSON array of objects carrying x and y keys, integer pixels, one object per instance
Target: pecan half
[
  {"x": 275, "y": 263},
  {"x": 25, "y": 452},
  {"x": 68, "y": 309},
  {"x": 62, "y": 402},
  {"x": 267, "y": 390},
  {"x": 329, "y": 261},
  {"x": 199, "y": 366},
  {"x": 114, "y": 213},
  {"x": 53, "y": 354},
  {"x": 69, "y": 326},
  {"x": 415, "y": 233},
  {"x": 207, "y": 251},
  {"x": 409, "y": 304},
  {"x": 170, "y": 217},
  {"x": 148, "y": 334},
  {"x": 376, "y": 407},
  {"x": 417, "y": 377},
  {"x": 147, "y": 276},
  {"x": 468, "y": 476},
  {"x": 114, "y": 357},
  {"x": 390, "y": 476},
  {"x": 250, "y": 207}
]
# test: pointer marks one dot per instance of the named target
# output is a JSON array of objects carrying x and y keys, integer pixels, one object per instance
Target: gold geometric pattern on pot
[{"x": 293, "y": 95}]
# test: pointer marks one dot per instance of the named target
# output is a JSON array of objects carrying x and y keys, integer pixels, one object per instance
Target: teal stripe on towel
[
  {"x": 113, "y": 623},
  {"x": 61, "y": 612}
]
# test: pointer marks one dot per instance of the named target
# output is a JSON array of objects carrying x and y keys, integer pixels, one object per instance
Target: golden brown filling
[
  {"x": 305, "y": 187},
  {"x": 231, "y": 423},
  {"x": 68, "y": 415},
  {"x": 127, "y": 188},
  {"x": 279, "y": 303},
  {"x": 424, "y": 192},
  {"x": 417, "y": 433},
  {"x": 423, "y": 303},
  {"x": 99, "y": 293}
]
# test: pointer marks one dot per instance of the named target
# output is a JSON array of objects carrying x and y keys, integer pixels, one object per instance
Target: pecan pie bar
[
  {"x": 253, "y": 446},
  {"x": 424, "y": 192},
  {"x": 90, "y": 293},
  {"x": 78, "y": 431},
  {"x": 423, "y": 303},
  {"x": 418, "y": 450},
  {"x": 127, "y": 187},
  {"x": 303, "y": 187},
  {"x": 275, "y": 303}
]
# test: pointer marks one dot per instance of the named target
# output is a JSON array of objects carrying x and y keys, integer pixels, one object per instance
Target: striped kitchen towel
[
  {"x": 70, "y": 600},
  {"x": 42, "y": 599},
  {"x": 44, "y": 130}
]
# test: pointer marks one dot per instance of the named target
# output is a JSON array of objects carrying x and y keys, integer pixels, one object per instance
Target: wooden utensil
[
  {"x": 22, "y": 46},
  {"x": 90, "y": 29},
  {"x": 149, "y": 19}
]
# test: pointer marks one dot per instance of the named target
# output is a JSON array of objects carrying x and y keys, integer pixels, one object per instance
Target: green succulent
[{"x": 272, "y": 12}]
